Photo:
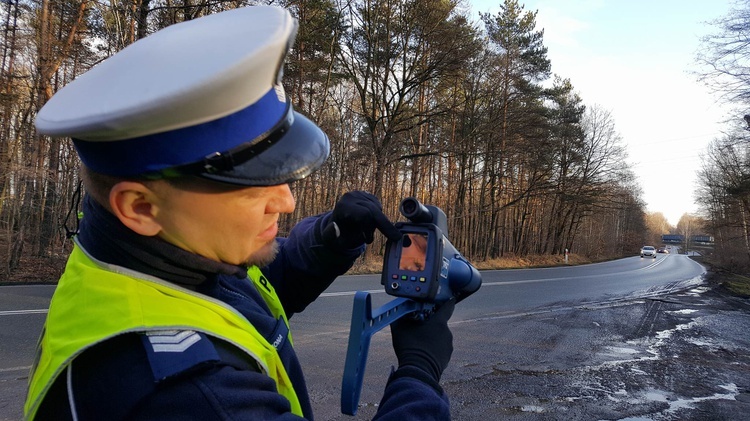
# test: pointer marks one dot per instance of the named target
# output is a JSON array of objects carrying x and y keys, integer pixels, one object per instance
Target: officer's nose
[{"x": 281, "y": 200}]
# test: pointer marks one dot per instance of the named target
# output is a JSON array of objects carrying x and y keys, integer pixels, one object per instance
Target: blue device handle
[{"x": 366, "y": 323}]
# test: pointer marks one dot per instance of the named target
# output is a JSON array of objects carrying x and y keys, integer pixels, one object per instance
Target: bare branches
[
  {"x": 414, "y": 98},
  {"x": 725, "y": 56}
]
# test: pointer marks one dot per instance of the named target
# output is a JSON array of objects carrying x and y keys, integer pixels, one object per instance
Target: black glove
[
  {"x": 428, "y": 344},
  {"x": 354, "y": 219}
]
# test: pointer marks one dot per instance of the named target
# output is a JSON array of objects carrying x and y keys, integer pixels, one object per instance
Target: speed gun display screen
[
  {"x": 409, "y": 264},
  {"x": 414, "y": 253}
]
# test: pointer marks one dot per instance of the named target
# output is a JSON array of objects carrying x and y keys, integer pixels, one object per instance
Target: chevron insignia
[{"x": 172, "y": 340}]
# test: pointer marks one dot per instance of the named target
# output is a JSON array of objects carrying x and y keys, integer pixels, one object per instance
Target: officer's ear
[{"x": 134, "y": 204}]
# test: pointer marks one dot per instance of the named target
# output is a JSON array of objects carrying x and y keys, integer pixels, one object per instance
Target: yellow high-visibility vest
[{"x": 95, "y": 301}]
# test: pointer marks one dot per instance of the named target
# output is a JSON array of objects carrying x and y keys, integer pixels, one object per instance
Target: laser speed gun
[{"x": 422, "y": 269}]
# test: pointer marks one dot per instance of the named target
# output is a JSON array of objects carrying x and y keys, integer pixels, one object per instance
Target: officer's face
[{"x": 231, "y": 225}]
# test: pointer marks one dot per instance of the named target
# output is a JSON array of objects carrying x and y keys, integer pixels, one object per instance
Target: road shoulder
[{"x": 681, "y": 356}]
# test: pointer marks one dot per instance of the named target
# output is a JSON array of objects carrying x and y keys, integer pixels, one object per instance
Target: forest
[
  {"x": 417, "y": 97},
  {"x": 723, "y": 190}
]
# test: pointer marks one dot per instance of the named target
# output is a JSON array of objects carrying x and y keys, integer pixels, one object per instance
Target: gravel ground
[{"x": 682, "y": 356}]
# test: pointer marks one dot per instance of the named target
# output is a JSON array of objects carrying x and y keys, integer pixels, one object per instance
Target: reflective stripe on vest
[
  {"x": 139, "y": 303},
  {"x": 269, "y": 295}
]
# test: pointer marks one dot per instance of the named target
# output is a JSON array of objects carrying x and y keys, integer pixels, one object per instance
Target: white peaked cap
[{"x": 201, "y": 97}]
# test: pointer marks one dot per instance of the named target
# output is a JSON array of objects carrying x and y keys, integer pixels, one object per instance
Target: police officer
[{"x": 175, "y": 300}]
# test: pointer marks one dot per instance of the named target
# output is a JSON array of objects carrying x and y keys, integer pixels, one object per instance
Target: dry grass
[
  {"x": 36, "y": 270},
  {"x": 48, "y": 270},
  {"x": 733, "y": 278},
  {"x": 374, "y": 264},
  {"x": 367, "y": 265},
  {"x": 737, "y": 284},
  {"x": 531, "y": 261}
]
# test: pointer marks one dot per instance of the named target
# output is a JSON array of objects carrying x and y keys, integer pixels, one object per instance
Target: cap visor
[{"x": 301, "y": 151}]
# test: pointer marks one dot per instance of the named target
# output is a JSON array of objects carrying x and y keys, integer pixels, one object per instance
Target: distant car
[
  {"x": 648, "y": 251},
  {"x": 662, "y": 250}
]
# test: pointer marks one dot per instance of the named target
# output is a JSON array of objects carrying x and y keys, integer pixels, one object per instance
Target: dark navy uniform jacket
[{"x": 205, "y": 378}]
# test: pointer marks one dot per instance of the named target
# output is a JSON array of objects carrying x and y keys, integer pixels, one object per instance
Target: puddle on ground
[
  {"x": 532, "y": 408},
  {"x": 616, "y": 350},
  {"x": 698, "y": 290},
  {"x": 685, "y": 311},
  {"x": 666, "y": 334},
  {"x": 676, "y": 404}
]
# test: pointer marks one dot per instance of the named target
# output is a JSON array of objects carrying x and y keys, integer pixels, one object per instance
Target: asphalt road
[{"x": 528, "y": 345}]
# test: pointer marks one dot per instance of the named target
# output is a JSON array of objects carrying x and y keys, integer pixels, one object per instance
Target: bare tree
[
  {"x": 724, "y": 192},
  {"x": 725, "y": 55},
  {"x": 414, "y": 98},
  {"x": 392, "y": 52}
]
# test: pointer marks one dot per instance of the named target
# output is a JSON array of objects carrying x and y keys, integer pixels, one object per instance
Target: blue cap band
[{"x": 155, "y": 152}]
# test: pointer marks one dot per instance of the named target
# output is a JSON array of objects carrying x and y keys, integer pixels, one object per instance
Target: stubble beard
[{"x": 264, "y": 256}]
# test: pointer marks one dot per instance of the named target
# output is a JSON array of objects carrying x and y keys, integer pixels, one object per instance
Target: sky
[{"x": 636, "y": 58}]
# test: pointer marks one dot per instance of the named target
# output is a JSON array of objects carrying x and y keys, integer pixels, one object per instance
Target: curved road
[
  {"x": 321, "y": 332},
  {"x": 522, "y": 290}
]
